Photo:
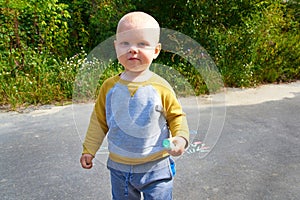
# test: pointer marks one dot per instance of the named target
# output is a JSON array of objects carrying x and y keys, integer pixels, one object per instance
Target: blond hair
[{"x": 137, "y": 20}]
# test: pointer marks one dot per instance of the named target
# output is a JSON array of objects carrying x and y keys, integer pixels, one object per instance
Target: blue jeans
[{"x": 154, "y": 180}]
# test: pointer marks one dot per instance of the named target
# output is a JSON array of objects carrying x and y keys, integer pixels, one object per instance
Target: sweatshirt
[{"x": 135, "y": 117}]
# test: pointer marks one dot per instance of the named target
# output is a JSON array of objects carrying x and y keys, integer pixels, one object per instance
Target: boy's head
[
  {"x": 139, "y": 20},
  {"x": 137, "y": 41}
]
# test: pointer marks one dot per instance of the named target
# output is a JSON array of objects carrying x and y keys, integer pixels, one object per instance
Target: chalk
[
  {"x": 198, "y": 142},
  {"x": 168, "y": 144}
]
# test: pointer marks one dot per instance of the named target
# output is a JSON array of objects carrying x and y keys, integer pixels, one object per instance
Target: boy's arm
[
  {"x": 178, "y": 126},
  {"x": 176, "y": 119},
  {"x": 93, "y": 140},
  {"x": 94, "y": 136},
  {"x": 174, "y": 114},
  {"x": 97, "y": 128}
]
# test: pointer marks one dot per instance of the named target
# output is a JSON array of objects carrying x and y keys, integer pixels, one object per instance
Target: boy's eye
[
  {"x": 124, "y": 44},
  {"x": 142, "y": 44},
  {"x": 139, "y": 45}
]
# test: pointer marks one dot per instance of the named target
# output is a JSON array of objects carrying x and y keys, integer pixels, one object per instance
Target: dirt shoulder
[
  {"x": 247, "y": 96},
  {"x": 230, "y": 97}
]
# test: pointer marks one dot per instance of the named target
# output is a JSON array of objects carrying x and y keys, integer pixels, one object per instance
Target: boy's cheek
[{"x": 120, "y": 52}]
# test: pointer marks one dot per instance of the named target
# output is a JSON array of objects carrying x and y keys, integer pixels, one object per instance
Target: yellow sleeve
[
  {"x": 176, "y": 118},
  {"x": 94, "y": 136},
  {"x": 174, "y": 114},
  {"x": 97, "y": 129}
]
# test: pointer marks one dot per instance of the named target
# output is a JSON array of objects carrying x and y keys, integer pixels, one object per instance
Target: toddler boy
[{"x": 137, "y": 110}]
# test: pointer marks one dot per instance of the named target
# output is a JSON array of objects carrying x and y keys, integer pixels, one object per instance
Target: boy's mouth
[{"x": 132, "y": 58}]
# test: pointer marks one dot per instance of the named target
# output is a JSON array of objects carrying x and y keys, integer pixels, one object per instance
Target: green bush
[
  {"x": 43, "y": 44},
  {"x": 276, "y": 47},
  {"x": 45, "y": 80}
]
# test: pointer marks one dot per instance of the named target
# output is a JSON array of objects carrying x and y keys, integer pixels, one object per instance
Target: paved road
[{"x": 256, "y": 157}]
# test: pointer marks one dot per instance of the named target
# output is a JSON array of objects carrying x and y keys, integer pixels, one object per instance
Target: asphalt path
[{"x": 257, "y": 155}]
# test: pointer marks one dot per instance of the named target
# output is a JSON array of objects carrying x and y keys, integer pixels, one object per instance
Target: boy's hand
[
  {"x": 180, "y": 144},
  {"x": 86, "y": 161}
]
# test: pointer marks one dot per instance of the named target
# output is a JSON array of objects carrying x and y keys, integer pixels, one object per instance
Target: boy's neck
[{"x": 136, "y": 76}]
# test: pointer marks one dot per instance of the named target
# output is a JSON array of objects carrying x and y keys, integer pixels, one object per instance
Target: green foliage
[
  {"x": 43, "y": 44},
  {"x": 276, "y": 48},
  {"x": 89, "y": 77},
  {"x": 38, "y": 24},
  {"x": 46, "y": 81},
  {"x": 34, "y": 36},
  {"x": 94, "y": 21}
]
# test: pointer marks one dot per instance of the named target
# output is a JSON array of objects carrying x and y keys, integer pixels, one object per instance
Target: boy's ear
[
  {"x": 157, "y": 50},
  {"x": 115, "y": 43}
]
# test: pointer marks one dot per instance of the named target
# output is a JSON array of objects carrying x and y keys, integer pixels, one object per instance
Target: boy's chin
[{"x": 137, "y": 69}]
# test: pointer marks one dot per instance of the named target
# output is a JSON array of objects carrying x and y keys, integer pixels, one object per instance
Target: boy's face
[{"x": 137, "y": 47}]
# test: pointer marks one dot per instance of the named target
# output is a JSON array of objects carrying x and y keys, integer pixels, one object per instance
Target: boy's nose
[{"x": 133, "y": 49}]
